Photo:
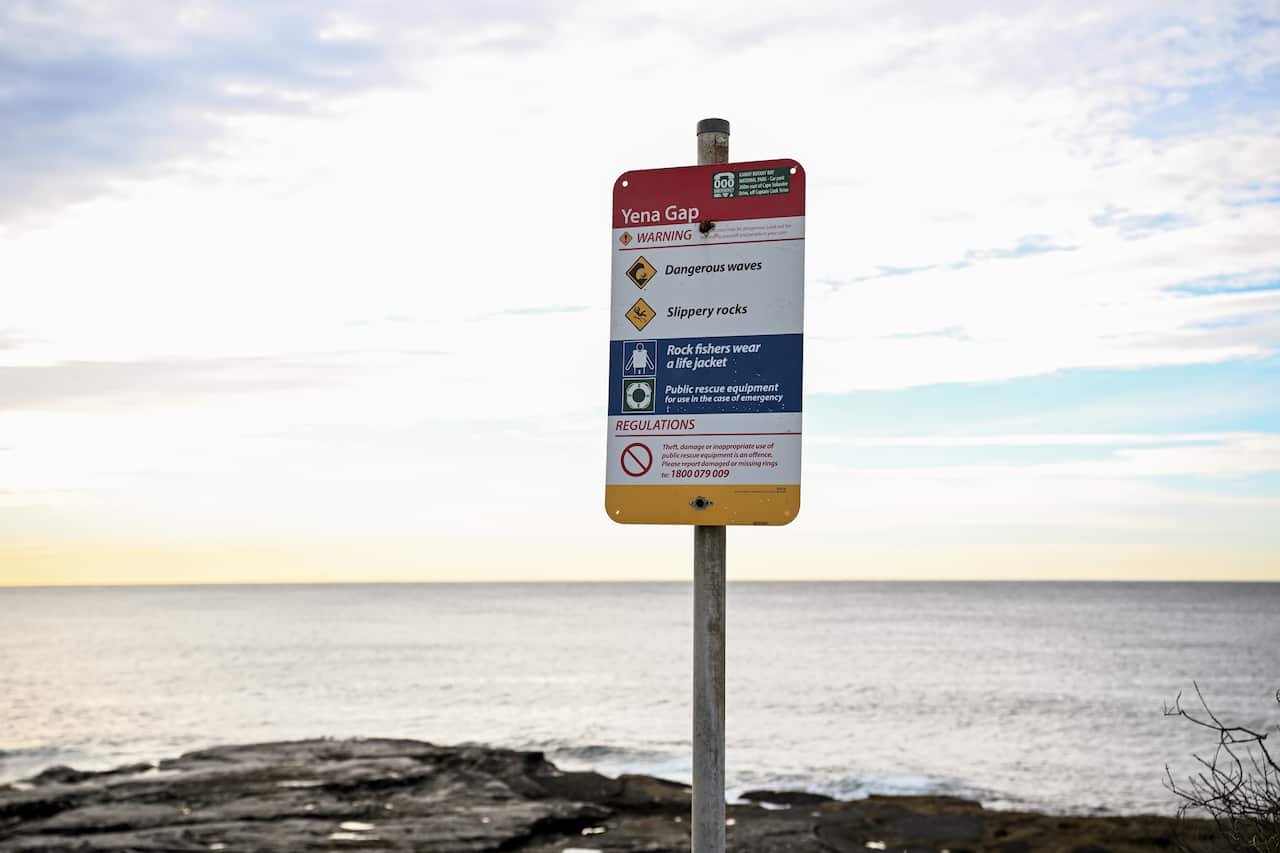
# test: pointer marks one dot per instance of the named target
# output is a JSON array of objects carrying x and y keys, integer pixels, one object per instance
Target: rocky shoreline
[{"x": 381, "y": 794}]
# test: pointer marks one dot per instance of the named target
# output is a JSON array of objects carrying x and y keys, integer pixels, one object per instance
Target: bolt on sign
[{"x": 705, "y": 406}]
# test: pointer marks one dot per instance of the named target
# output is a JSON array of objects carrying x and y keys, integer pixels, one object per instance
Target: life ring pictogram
[{"x": 639, "y": 396}]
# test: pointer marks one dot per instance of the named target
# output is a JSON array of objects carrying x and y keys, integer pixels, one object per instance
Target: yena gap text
[{"x": 672, "y": 213}]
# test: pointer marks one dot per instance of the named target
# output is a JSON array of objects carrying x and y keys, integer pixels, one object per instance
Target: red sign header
[{"x": 683, "y": 195}]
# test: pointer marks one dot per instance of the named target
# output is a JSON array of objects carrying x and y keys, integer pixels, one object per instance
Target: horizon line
[{"x": 629, "y": 582}]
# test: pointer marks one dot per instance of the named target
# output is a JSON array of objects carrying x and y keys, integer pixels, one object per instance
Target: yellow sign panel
[
  {"x": 640, "y": 314},
  {"x": 641, "y": 272},
  {"x": 700, "y": 504}
]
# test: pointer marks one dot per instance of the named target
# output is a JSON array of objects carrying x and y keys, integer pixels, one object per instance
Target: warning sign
[
  {"x": 704, "y": 416},
  {"x": 641, "y": 272},
  {"x": 640, "y": 314}
]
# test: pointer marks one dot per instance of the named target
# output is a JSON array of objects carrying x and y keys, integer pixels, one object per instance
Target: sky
[{"x": 319, "y": 292}]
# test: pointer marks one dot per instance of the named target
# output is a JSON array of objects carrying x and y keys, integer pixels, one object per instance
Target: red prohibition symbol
[{"x": 637, "y": 459}]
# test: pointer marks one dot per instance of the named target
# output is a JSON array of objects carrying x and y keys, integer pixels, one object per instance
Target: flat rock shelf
[{"x": 381, "y": 794}]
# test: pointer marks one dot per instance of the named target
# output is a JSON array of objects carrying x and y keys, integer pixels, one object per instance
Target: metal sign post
[
  {"x": 708, "y": 688},
  {"x": 708, "y": 622},
  {"x": 706, "y": 351}
]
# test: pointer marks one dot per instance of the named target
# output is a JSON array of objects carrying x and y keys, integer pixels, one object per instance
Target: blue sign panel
[{"x": 738, "y": 375}]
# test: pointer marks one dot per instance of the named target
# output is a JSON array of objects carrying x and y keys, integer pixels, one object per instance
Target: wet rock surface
[{"x": 382, "y": 794}]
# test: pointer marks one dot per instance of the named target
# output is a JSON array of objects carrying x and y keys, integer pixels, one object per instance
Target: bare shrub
[{"x": 1237, "y": 785}]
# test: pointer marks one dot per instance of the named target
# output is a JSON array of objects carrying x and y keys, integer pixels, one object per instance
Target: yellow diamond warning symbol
[
  {"x": 625, "y": 239},
  {"x": 640, "y": 314},
  {"x": 641, "y": 272}
]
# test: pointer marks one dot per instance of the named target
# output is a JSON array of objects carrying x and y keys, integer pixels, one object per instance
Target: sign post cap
[{"x": 713, "y": 125}]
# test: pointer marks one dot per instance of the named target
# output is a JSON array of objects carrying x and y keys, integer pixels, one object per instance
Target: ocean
[{"x": 1044, "y": 696}]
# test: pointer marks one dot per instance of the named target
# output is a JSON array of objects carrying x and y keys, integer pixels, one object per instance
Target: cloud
[
  {"x": 11, "y": 340},
  {"x": 343, "y": 268},
  {"x": 541, "y": 310},
  {"x": 1262, "y": 279},
  {"x": 1117, "y": 457},
  {"x": 109, "y": 384},
  {"x": 1112, "y": 302},
  {"x": 1192, "y": 489},
  {"x": 90, "y": 94},
  {"x": 1043, "y": 440}
]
